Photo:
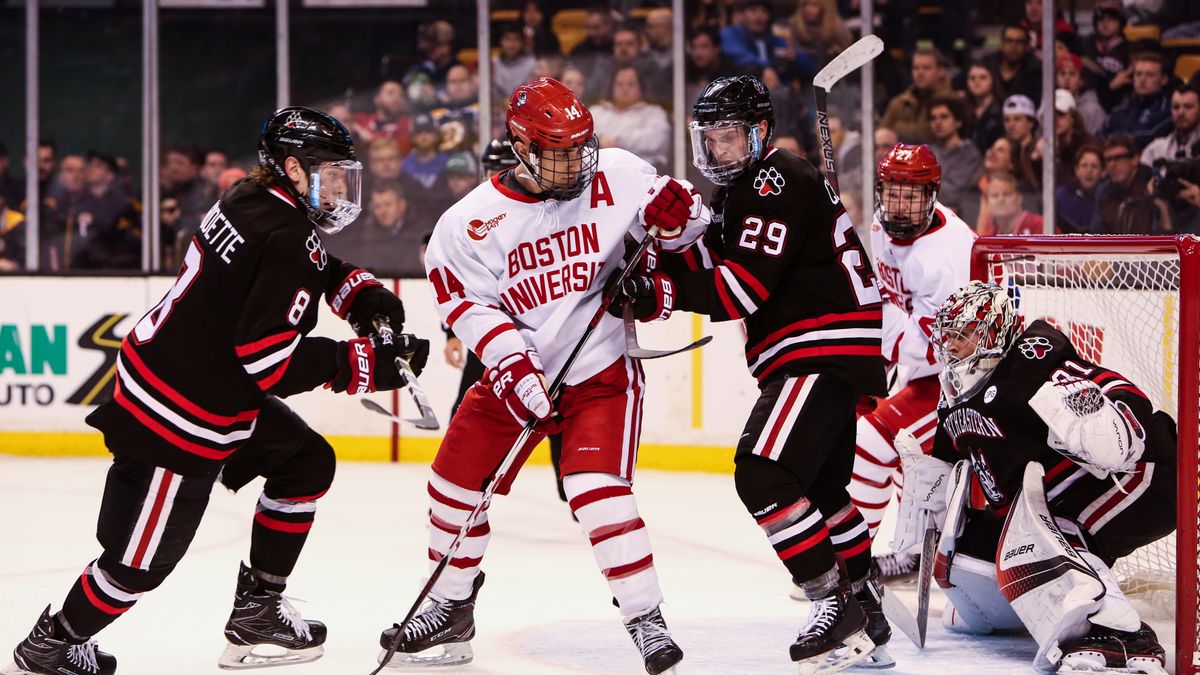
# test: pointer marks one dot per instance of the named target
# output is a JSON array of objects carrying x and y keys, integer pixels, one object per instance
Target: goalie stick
[
  {"x": 638, "y": 352},
  {"x": 509, "y": 459},
  {"x": 851, "y": 59},
  {"x": 428, "y": 419}
]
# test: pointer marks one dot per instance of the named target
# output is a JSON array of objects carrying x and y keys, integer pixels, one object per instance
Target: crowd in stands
[{"x": 1126, "y": 133}]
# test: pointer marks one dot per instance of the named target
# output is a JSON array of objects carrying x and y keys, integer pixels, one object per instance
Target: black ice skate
[
  {"x": 266, "y": 630},
  {"x": 46, "y": 652},
  {"x": 898, "y": 567},
  {"x": 650, "y": 634},
  {"x": 448, "y": 624},
  {"x": 1108, "y": 650},
  {"x": 835, "y": 636},
  {"x": 870, "y": 598}
]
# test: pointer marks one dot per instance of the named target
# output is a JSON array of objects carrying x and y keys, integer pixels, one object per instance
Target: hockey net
[{"x": 1120, "y": 301}]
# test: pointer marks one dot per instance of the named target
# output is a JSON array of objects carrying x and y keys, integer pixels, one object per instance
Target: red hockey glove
[
  {"x": 668, "y": 205},
  {"x": 519, "y": 382},
  {"x": 651, "y": 295}
]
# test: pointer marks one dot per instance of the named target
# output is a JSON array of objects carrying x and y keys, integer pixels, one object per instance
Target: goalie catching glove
[
  {"x": 675, "y": 208},
  {"x": 926, "y": 480},
  {"x": 518, "y": 381},
  {"x": 1084, "y": 425},
  {"x": 368, "y": 364}
]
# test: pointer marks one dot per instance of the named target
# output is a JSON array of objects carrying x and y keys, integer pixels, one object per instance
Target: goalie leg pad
[
  {"x": 1115, "y": 609},
  {"x": 1045, "y": 580},
  {"x": 975, "y": 604}
]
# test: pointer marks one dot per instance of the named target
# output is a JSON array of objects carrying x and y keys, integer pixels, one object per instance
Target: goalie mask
[
  {"x": 906, "y": 187},
  {"x": 972, "y": 332},
  {"x": 556, "y": 127},
  {"x": 724, "y": 127},
  {"x": 325, "y": 150}
]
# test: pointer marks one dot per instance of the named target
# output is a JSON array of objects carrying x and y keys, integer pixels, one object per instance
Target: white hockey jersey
[
  {"x": 511, "y": 272},
  {"x": 916, "y": 276}
]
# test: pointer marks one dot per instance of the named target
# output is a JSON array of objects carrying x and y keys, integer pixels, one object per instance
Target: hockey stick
[
  {"x": 638, "y": 352},
  {"x": 428, "y": 419},
  {"x": 851, "y": 59},
  {"x": 925, "y": 577},
  {"x": 509, "y": 459}
]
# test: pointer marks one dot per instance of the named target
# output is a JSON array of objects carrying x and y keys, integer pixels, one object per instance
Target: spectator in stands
[
  {"x": 817, "y": 28},
  {"x": 549, "y": 65},
  {"x": 1000, "y": 158},
  {"x": 885, "y": 140},
  {"x": 1124, "y": 178},
  {"x": 705, "y": 62},
  {"x": 1075, "y": 198},
  {"x": 706, "y": 14},
  {"x": 908, "y": 113},
  {"x": 789, "y": 143},
  {"x": 341, "y": 112},
  {"x": 461, "y": 176},
  {"x": 435, "y": 40},
  {"x": 457, "y": 118},
  {"x": 594, "y": 54},
  {"x": 512, "y": 66},
  {"x": 1004, "y": 206},
  {"x": 389, "y": 120},
  {"x": 384, "y": 160},
  {"x": 1183, "y": 141},
  {"x": 386, "y": 239},
  {"x": 1020, "y": 128},
  {"x": 983, "y": 97},
  {"x": 10, "y": 188},
  {"x": 1069, "y": 135},
  {"x": 181, "y": 179},
  {"x": 1146, "y": 114},
  {"x": 576, "y": 81},
  {"x": 12, "y": 237},
  {"x": 425, "y": 161},
  {"x": 1106, "y": 55},
  {"x": 960, "y": 160},
  {"x": 1015, "y": 68},
  {"x": 749, "y": 45},
  {"x": 627, "y": 121},
  {"x": 539, "y": 39},
  {"x": 228, "y": 177},
  {"x": 108, "y": 233},
  {"x": 1069, "y": 76},
  {"x": 215, "y": 162},
  {"x": 47, "y": 164},
  {"x": 657, "y": 60}
]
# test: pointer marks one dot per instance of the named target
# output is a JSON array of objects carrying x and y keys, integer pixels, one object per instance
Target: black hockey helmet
[
  {"x": 497, "y": 156},
  {"x": 325, "y": 150},
  {"x": 738, "y": 102}
]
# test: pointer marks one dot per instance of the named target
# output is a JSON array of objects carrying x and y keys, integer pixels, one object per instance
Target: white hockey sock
[
  {"x": 449, "y": 506},
  {"x": 607, "y": 511},
  {"x": 876, "y": 466}
]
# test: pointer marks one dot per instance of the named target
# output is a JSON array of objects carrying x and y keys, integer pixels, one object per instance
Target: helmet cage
[
  {"x": 983, "y": 316},
  {"x": 551, "y": 180},
  {"x": 724, "y": 173},
  {"x": 892, "y": 213}
]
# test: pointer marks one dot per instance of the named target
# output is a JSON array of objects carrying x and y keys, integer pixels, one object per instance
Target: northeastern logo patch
[
  {"x": 769, "y": 182},
  {"x": 478, "y": 229}
]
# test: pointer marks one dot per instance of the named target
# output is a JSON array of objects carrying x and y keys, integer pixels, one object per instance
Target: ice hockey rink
[{"x": 544, "y": 609}]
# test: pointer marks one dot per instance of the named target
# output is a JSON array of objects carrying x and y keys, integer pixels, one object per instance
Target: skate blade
[
  {"x": 856, "y": 649},
  {"x": 879, "y": 660},
  {"x": 243, "y": 657},
  {"x": 450, "y": 654}
]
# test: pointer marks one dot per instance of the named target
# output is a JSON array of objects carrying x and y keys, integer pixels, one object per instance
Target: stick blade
[
  {"x": 901, "y": 618},
  {"x": 642, "y": 353},
  {"x": 851, "y": 59},
  {"x": 925, "y": 577}
]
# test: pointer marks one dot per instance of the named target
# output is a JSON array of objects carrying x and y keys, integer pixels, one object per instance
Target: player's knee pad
[
  {"x": 309, "y": 472},
  {"x": 131, "y": 579},
  {"x": 975, "y": 604},
  {"x": 763, "y": 484}
]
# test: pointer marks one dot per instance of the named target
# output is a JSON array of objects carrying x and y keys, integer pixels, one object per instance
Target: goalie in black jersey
[
  {"x": 782, "y": 256},
  {"x": 194, "y": 401},
  {"x": 1077, "y": 468}
]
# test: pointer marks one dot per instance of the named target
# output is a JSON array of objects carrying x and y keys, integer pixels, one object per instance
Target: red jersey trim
[
  {"x": 180, "y": 400},
  {"x": 511, "y": 193},
  {"x": 808, "y": 324}
]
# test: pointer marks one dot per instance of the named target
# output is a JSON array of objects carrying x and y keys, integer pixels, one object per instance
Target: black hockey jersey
[
  {"x": 194, "y": 371},
  {"x": 783, "y": 255},
  {"x": 1000, "y": 433}
]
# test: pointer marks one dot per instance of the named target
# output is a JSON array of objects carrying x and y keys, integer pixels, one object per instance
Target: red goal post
[{"x": 1133, "y": 304}]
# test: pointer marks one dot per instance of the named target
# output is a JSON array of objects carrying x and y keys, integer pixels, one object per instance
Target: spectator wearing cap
[
  {"x": 387, "y": 238},
  {"x": 461, "y": 175},
  {"x": 1016, "y": 69},
  {"x": 1069, "y": 76},
  {"x": 512, "y": 65},
  {"x": 1070, "y": 135},
  {"x": 960, "y": 160},
  {"x": 1124, "y": 178},
  {"x": 908, "y": 113},
  {"x": 539, "y": 39},
  {"x": 1106, "y": 55},
  {"x": 435, "y": 41},
  {"x": 627, "y": 121},
  {"x": 1075, "y": 199},
  {"x": 425, "y": 161},
  {"x": 1183, "y": 141},
  {"x": 1020, "y": 128},
  {"x": 389, "y": 119},
  {"x": 1146, "y": 114},
  {"x": 749, "y": 45},
  {"x": 983, "y": 98},
  {"x": 108, "y": 222}
]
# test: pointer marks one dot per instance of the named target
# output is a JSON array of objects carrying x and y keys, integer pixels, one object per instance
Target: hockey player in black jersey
[
  {"x": 194, "y": 401},
  {"x": 1077, "y": 469},
  {"x": 782, "y": 255}
]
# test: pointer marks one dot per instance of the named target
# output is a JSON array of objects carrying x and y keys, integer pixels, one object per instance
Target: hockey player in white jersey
[
  {"x": 518, "y": 267},
  {"x": 922, "y": 254}
]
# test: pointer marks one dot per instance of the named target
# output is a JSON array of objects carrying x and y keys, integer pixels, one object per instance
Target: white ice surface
[{"x": 545, "y": 607}]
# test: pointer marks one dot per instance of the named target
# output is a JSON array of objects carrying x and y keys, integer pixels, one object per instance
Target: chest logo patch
[
  {"x": 316, "y": 252},
  {"x": 1035, "y": 347},
  {"x": 990, "y": 394},
  {"x": 478, "y": 229},
  {"x": 769, "y": 182}
]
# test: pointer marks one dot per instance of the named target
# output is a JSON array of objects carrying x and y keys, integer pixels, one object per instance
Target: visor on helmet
[
  {"x": 723, "y": 150},
  {"x": 334, "y": 196}
]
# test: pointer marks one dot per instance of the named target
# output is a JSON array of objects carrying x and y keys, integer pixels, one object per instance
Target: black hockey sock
[
  {"x": 800, "y": 538},
  {"x": 91, "y": 605},
  {"x": 279, "y": 532},
  {"x": 851, "y": 541}
]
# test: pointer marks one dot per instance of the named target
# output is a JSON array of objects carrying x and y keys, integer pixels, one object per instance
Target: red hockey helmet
[
  {"x": 908, "y": 180},
  {"x": 557, "y": 129}
]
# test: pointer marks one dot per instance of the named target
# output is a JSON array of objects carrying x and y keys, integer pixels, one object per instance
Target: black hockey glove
[
  {"x": 360, "y": 297},
  {"x": 412, "y": 349},
  {"x": 651, "y": 295},
  {"x": 368, "y": 364}
]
